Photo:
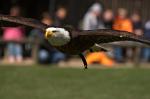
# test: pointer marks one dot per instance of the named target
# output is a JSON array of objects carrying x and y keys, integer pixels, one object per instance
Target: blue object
[
  {"x": 43, "y": 56},
  {"x": 146, "y": 54},
  {"x": 57, "y": 56},
  {"x": 14, "y": 49},
  {"x": 118, "y": 54}
]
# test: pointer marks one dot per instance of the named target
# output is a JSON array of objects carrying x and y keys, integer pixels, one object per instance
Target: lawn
[{"x": 67, "y": 83}]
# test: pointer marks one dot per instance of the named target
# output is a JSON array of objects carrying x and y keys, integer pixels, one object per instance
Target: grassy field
[{"x": 67, "y": 83}]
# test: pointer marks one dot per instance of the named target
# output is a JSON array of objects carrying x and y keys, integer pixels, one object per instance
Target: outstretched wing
[
  {"x": 6, "y": 21},
  {"x": 107, "y": 35}
]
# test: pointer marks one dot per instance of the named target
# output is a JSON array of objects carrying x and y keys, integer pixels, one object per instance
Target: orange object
[
  {"x": 99, "y": 57},
  {"x": 123, "y": 25}
]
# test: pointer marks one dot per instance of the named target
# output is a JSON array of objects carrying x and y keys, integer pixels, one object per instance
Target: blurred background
[
  {"x": 24, "y": 45},
  {"x": 29, "y": 66}
]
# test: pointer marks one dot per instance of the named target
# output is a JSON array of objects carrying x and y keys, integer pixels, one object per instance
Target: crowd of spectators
[
  {"x": 15, "y": 35},
  {"x": 95, "y": 18}
]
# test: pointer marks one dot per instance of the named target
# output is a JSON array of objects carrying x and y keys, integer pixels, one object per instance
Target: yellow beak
[{"x": 48, "y": 34}]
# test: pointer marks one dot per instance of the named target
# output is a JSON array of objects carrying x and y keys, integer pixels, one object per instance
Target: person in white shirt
[{"x": 91, "y": 18}]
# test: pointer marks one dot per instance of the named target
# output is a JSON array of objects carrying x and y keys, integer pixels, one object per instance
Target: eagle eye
[{"x": 54, "y": 31}]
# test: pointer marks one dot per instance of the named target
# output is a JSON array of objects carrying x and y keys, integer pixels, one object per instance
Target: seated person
[{"x": 46, "y": 53}]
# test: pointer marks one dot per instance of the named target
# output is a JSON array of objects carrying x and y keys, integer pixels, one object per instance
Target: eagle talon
[
  {"x": 84, "y": 61},
  {"x": 91, "y": 50},
  {"x": 85, "y": 67}
]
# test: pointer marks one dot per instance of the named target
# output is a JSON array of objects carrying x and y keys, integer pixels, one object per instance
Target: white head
[{"x": 57, "y": 36}]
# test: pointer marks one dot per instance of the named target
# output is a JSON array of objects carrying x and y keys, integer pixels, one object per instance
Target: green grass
[{"x": 55, "y": 83}]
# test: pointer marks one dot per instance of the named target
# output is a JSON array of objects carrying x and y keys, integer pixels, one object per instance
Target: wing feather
[
  {"x": 107, "y": 36},
  {"x": 6, "y": 20}
]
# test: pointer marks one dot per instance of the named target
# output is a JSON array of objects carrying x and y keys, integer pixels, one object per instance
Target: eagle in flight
[{"x": 72, "y": 41}]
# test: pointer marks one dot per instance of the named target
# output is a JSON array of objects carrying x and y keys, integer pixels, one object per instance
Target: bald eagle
[{"x": 72, "y": 41}]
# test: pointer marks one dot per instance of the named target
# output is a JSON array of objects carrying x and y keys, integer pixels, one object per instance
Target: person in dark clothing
[
  {"x": 59, "y": 21},
  {"x": 133, "y": 52},
  {"x": 136, "y": 21},
  {"x": 137, "y": 24},
  {"x": 108, "y": 18},
  {"x": 46, "y": 54},
  {"x": 38, "y": 35},
  {"x": 60, "y": 17}
]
